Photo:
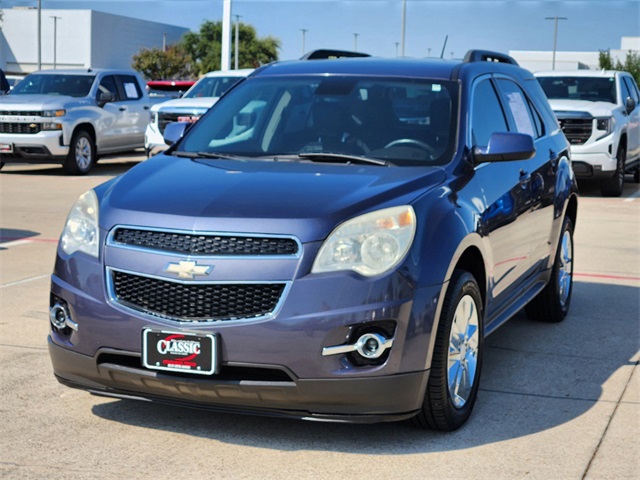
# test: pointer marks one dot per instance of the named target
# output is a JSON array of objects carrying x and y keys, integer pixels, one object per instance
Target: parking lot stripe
[{"x": 26, "y": 280}]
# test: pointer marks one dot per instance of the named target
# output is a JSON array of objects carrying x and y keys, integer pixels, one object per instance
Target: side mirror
[
  {"x": 630, "y": 104},
  {"x": 174, "y": 131},
  {"x": 105, "y": 97},
  {"x": 505, "y": 147}
]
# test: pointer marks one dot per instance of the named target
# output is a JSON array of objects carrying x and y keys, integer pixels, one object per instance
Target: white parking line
[
  {"x": 633, "y": 197},
  {"x": 15, "y": 242},
  {"x": 26, "y": 280}
]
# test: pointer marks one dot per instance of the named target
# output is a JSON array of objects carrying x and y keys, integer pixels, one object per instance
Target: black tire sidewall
[
  {"x": 71, "y": 165},
  {"x": 567, "y": 225}
]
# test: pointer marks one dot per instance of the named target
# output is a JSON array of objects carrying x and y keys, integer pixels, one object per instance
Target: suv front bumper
[
  {"x": 361, "y": 400},
  {"x": 594, "y": 160}
]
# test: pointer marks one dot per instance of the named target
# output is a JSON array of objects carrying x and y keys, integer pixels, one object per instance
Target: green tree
[
  {"x": 156, "y": 64},
  {"x": 631, "y": 63},
  {"x": 205, "y": 47}
]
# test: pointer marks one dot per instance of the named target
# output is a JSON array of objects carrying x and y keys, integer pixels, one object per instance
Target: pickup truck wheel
[
  {"x": 457, "y": 357},
  {"x": 82, "y": 154},
  {"x": 552, "y": 304},
  {"x": 612, "y": 187}
]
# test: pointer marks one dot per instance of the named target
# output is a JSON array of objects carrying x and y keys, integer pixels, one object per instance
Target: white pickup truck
[
  {"x": 73, "y": 116},
  {"x": 599, "y": 112}
]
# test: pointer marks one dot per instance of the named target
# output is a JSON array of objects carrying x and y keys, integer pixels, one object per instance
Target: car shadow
[
  {"x": 14, "y": 234},
  {"x": 536, "y": 376},
  {"x": 109, "y": 165}
]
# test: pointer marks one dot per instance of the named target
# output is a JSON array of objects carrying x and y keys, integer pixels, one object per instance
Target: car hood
[
  {"x": 38, "y": 102},
  {"x": 595, "y": 109},
  {"x": 185, "y": 104},
  {"x": 307, "y": 200}
]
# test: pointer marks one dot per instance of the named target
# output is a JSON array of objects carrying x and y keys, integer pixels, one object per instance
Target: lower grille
[
  {"x": 577, "y": 130},
  {"x": 20, "y": 128},
  {"x": 196, "y": 302}
]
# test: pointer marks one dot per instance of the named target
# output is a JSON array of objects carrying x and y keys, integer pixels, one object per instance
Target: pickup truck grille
[
  {"x": 20, "y": 128},
  {"x": 16, "y": 113},
  {"x": 165, "y": 118},
  {"x": 196, "y": 302},
  {"x": 205, "y": 244},
  {"x": 577, "y": 130}
]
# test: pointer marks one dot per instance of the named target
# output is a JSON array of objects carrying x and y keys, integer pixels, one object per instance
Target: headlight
[
  {"x": 54, "y": 113},
  {"x": 606, "y": 124},
  {"x": 81, "y": 230},
  {"x": 371, "y": 244}
]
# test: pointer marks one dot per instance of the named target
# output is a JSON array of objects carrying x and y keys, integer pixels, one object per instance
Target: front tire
[
  {"x": 457, "y": 357},
  {"x": 82, "y": 154},
  {"x": 612, "y": 187},
  {"x": 552, "y": 303}
]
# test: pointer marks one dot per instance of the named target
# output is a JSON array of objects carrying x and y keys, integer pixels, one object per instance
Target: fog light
[
  {"x": 369, "y": 346},
  {"x": 60, "y": 317}
]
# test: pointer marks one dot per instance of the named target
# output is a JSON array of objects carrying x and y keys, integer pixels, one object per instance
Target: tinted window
[
  {"x": 402, "y": 121},
  {"x": 487, "y": 115},
  {"x": 108, "y": 85},
  {"x": 72, "y": 85},
  {"x": 519, "y": 107},
  {"x": 593, "y": 89}
]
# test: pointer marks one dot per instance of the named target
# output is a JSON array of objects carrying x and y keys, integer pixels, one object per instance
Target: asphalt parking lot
[{"x": 556, "y": 401}]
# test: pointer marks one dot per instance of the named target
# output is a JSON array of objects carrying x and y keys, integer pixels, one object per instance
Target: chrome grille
[
  {"x": 165, "y": 118},
  {"x": 205, "y": 244},
  {"x": 195, "y": 302},
  {"x": 20, "y": 128},
  {"x": 16, "y": 113},
  {"x": 577, "y": 130}
]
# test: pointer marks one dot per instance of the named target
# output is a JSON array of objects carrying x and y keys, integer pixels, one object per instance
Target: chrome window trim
[
  {"x": 110, "y": 242},
  {"x": 113, "y": 300}
]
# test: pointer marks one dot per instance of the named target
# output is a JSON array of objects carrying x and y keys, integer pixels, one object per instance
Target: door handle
[
  {"x": 146, "y": 107},
  {"x": 525, "y": 178},
  {"x": 122, "y": 109}
]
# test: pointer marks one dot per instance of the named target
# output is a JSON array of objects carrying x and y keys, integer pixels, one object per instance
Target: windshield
[
  {"x": 211, "y": 87},
  {"x": 593, "y": 89},
  {"x": 72, "y": 85},
  {"x": 404, "y": 122}
]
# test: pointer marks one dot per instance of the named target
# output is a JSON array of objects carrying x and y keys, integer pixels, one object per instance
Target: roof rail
[
  {"x": 325, "y": 54},
  {"x": 488, "y": 56}
]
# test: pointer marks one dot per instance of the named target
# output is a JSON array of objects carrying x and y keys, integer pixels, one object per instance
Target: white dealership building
[{"x": 76, "y": 39}]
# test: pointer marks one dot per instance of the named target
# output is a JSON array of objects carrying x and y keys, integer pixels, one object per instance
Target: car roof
[
  {"x": 86, "y": 71},
  {"x": 243, "y": 72},
  {"x": 578, "y": 73},
  {"x": 432, "y": 68}
]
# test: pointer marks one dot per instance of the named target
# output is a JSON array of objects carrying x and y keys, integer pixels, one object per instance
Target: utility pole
[
  {"x": 55, "y": 39},
  {"x": 555, "y": 37},
  {"x": 304, "y": 33},
  {"x": 404, "y": 24},
  {"x": 397, "y": 51},
  {"x": 355, "y": 42},
  {"x": 225, "y": 53},
  {"x": 39, "y": 34},
  {"x": 164, "y": 42},
  {"x": 237, "y": 49}
]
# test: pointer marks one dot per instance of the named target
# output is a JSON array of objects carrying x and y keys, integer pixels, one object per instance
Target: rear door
[
  {"x": 133, "y": 106},
  {"x": 629, "y": 88}
]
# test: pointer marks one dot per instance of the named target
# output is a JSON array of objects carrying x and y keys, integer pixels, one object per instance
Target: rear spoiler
[{"x": 324, "y": 54}]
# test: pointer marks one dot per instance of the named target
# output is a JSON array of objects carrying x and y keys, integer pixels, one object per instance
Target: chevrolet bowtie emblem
[{"x": 187, "y": 269}]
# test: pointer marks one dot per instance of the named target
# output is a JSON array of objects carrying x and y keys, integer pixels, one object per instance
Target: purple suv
[{"x": 333, "y": 240}]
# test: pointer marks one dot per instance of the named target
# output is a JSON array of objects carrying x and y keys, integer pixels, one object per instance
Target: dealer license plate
[
  {"x": 6, "y": 147},
  {"x": 179, "y": 352}
]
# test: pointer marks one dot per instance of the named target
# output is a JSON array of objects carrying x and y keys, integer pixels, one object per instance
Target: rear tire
[
  {"x": 552, "y": 303},
  {"x": 82, "y": 154},
  {"x": 457, "y": 357},
  {"x": 612, "y": 187}
]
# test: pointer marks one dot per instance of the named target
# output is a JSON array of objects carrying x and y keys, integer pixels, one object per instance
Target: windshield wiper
[
  {"x": 328, "y": 157},
  {"x": 224, "y": 156}
]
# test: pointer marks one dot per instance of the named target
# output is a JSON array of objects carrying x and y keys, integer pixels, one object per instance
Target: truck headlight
[
  {"x": 51, "y": 126},
  {"x": 54, "y": 113},
  {"x": 370, "y": 244},
  {"x": 605, "y": 124},
  {"x": 81, "y": 231}
]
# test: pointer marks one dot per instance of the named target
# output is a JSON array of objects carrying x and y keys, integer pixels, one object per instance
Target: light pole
[
  {"x": 555, "y": 37},
  {"x": 237, "y": 52},
  {"x": 397, "y": 51},
  {"x": 355, "y": 42},
  {"x": 55, "y": 38},
  {"x": 404, "y": 24},
  {"x": 225, "y": 50},
  {"x": 304, "y": 33},
  {"x": 39, "y": 34}
]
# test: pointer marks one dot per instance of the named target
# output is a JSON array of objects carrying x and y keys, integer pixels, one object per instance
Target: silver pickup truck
[{"x": 73, "y": 116}]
